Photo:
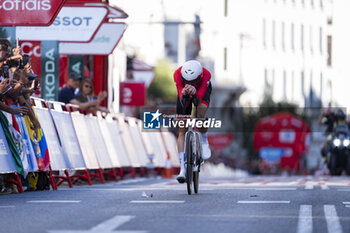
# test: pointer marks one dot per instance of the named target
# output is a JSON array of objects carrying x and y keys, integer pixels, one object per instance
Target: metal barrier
[{"x": 86, "y": 146}]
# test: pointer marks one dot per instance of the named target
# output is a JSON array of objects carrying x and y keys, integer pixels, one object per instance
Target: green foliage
[{"x": 163, "y": 85}]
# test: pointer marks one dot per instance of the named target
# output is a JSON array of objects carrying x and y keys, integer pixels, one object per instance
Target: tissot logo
[{"x": 29, "y": 5}]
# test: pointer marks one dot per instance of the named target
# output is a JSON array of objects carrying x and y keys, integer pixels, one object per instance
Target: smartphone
[{"x": 36, "y": 83}]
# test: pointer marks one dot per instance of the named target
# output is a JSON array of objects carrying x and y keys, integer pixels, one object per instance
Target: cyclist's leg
[
  {"x": 202, "y": 109},
  {"x": 180, "y": 143}
]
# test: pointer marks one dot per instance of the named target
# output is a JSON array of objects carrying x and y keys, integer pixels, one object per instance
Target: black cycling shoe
[{"x": 181, "y": 179}]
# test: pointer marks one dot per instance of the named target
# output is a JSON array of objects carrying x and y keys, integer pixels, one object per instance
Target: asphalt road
[{"x": 252, "y": 204}]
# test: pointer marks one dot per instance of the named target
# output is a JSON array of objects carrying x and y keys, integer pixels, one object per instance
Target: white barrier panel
[
  {"x": 119, "y": 147},
  {"x": 128, "y": 143},
  {"x": 160, "y": 155},
  {"x": 58, "y": 158},
  {"x": 114, "y": 144},
  {"x": 96, "y": 139},
  {"x": 147, "y": 142},
  {"x": 7, "y": 163},
  {"x": 87, "y": 148},
  {"x": 171, "y": 146},
  {"x": 138, "y": 141},
  {"x": 68, "y": 138}
]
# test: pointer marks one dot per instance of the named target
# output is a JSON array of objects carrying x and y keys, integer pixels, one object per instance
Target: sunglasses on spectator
[{"x": 88, "y": 86}]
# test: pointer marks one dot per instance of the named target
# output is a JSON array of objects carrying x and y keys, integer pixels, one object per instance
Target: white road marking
[
  {"x": 108, "y": 226},
  {"x": 347, "y": 206},
  {"x": 346, "y": 202},
  {"x": 309, "y": 186},
  {"x": 333, "y": 223},
  {"x": 156, "y": 202},
  {"x": 55, "y": 201},
  {"x": 112, "y": 223},
  {"x": 344, "y": 190},
  {"x": 277, "y": 189},
  {"x": 7, "y": 206},
  {"x": 263, "y": 202},
  {"x": 305, "y": 219},
  {"x": 324, "y": 187}
]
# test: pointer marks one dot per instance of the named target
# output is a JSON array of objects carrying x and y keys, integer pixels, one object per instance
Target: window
[
  {"x": 273, "y": 33},
  {"x": 302, "y": 83},
  {"x": 282, "y": 39},
  {"x": 225, "y": 58},
  {"x": 292, "y": 77},
  {"x": 284, "y": 85},
  {"x": 225, "y": 10},
  {"x": 329, "y": 50},
  {"x": 321, "y": 84},
  {"x": 264, "y": 32},
  {"x": 292, "y": 36},
  {"x": 320, "y": 41},
  {"x": 311, "y": 40},
  {"x": 302, "y": 37}
]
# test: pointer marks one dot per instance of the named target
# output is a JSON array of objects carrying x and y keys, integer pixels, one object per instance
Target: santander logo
[{"x": 22, "y": 5}]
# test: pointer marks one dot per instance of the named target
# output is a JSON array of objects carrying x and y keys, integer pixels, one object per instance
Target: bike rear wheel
[
  {"x": 189, "y": 162},
  {"x": 197, "y": 164}
]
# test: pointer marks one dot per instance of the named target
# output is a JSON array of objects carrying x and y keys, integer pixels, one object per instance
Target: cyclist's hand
[{"x": 189, "y": 90}]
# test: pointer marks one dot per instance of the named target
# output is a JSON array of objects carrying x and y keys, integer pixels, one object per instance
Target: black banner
[
  {"x": 49, "y": 70},
  {"x": 76, "y": 64}
]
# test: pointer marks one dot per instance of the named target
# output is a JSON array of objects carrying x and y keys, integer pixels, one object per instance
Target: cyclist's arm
[
  {"x": 203, "y": 88},
  {"x": 178, "y": 83}
]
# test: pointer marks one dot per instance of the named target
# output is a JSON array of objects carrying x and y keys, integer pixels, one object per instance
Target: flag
[
  {"x": 39, "y": 144},
  {"x": 12, "y": 145}
]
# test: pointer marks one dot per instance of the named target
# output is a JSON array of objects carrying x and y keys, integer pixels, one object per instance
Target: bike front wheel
[{"x": 189, "y": 163}]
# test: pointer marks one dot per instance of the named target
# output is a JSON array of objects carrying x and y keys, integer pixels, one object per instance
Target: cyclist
[{"x": 193, "y": 85}]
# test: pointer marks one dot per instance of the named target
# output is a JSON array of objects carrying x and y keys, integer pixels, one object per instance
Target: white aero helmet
[{"x": 191, "y": 71}]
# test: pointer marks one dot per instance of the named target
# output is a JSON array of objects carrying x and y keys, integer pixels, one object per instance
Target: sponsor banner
[
  {"x": 49, "y": 70},
  {"x": 76, "y": 64},
  {"x": 132, "y": 94},
  {"x": 72, "y": 24},
  {"x": 104, "y": 42},
  {"x": 29, "y": 12},
  {"x": 113, "y": 12}
]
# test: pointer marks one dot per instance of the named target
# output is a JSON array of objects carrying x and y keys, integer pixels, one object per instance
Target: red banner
[
  {"x": 29, "y": 12},
  {"x": 218, "y": 142},
  {"x": 132, "y": 94}
]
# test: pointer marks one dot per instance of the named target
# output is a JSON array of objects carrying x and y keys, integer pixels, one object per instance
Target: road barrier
[{"x": 86, "y": 146}]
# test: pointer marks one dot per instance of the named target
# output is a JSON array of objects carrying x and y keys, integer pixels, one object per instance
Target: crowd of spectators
[{"x": 17, "y": 83}]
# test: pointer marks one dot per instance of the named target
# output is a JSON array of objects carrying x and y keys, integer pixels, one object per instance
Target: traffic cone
[{"x": 168, "y": 170}]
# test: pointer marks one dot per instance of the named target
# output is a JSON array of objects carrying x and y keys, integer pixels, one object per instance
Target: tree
[{"x": 163, "y": 85}]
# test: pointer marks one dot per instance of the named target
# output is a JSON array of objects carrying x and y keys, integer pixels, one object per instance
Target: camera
[{"x": 18, "y": 63}]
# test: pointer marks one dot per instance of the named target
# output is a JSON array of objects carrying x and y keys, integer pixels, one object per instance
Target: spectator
[
  {"x": 66, "y": 94},
  {"x": 86, "y": 94}
]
